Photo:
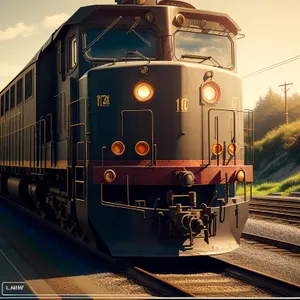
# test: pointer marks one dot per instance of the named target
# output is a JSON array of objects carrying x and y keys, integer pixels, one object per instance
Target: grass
[
  {"x": 285, "y": 137},
  {"x": 291, "y": 184}
]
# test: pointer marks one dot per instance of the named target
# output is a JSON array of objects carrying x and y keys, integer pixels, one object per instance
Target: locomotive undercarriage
[
  {"x": 44, "y": 195},
  {"x": 194, "y": 220}
]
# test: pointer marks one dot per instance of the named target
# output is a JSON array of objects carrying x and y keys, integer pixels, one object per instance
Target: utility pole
[{"x": 285, "y": 99}]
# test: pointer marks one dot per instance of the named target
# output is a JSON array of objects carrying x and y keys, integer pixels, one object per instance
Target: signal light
[
  {"x": 233, "y": 149},
  {"x": 217, "y": 149},
  {"x": 118, "y": 148},
  {"x": 240, "y": 176},
  {"x": 109, "y": 175},
  {"x": 142, "y": 148}
]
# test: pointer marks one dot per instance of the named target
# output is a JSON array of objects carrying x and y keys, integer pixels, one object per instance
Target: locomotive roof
[{"x": 84, "y": 12}]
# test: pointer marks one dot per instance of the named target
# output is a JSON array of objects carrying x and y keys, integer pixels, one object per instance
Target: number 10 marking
[{"x": 181, "y": 105}]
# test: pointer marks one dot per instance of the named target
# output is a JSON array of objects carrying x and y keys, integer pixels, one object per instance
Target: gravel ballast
[{"x": 277, "y": 264}]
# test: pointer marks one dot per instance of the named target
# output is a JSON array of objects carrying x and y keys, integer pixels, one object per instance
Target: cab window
[
  {"x": 72, "y": 53},
  {"x": 117, "y": 41}
]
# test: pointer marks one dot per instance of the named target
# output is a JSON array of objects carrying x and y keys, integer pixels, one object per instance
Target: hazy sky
[{"x": 271, "y": 28}]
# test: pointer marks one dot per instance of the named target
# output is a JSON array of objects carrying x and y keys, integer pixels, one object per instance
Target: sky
[{"x": 271, "y": 28}]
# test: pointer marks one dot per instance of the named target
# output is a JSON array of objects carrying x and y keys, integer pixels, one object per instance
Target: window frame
[
  {"x": 22, "y": 91},
  {"x": 12, "y": 104},
  {"x": 200, "y": 32},
  {"x": 125, "y": 27},
  {"x": 32, "y": 84},
  {"x": 2, "y": 108},
  {"x": 7, "y": 94},
  {"x": 71, "y": 53}
]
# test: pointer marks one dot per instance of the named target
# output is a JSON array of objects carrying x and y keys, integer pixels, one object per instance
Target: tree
[{"x": 269, "y": 112}]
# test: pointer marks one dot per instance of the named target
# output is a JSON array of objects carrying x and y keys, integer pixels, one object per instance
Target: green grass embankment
[
  {"x": 291, "y": 184},
  {"x": 277, "y": 151}
]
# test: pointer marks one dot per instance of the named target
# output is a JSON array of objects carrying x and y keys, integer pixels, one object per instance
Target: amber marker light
[
  {"x": 233, "y": 149},
  {"x": 143, "y": 91},
  {"x": 142, "y": 148},
  {"x": 118, "y": 148},
  {"x": 109, "y": 175},
  {"x": 240, "y": 176},
  {"x": 217, "y": 149},
  {"x": 211, "y": 92}
]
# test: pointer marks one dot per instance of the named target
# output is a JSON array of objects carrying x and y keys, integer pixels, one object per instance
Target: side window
[
  {"x": 74, "y": 52},
  {"x": 72, "y": 60},
  {"x": 12, "y": 97},
  {"x": 2, "y": 105},
  {"x": 59, "y": 61},
  {"x": 19, "y": 91},
  {"x": 28, "y": 84},
  {"x": 6, "y": 101}
]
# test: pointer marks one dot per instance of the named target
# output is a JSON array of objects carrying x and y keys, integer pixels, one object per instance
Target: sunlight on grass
[
  {"x": 285, "y": 137},
  {"x": 291, "y": 184}
]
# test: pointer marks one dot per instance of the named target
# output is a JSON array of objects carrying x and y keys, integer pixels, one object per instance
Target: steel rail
[
  {"x": 277, "y": 198},
  {"x": 277, "y": 243},
  {"x": 283, "y": 209},
  {"x": 290, "y": 217},
  {"x": 286, "y": 206},
  {"x": 260, "y": 279}
]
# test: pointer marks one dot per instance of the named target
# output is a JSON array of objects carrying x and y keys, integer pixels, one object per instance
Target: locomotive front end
[{"x": 167, "y": 142}]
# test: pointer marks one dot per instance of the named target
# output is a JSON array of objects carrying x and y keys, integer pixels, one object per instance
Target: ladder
[{"x": 77, "y": 160}]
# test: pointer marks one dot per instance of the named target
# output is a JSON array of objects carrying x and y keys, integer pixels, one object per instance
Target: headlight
[
  {"x": 143, "y": 91},
  {"x": 142, "y": 148},
  {"x": 211, "y": 92},
  {"x": 118, "y": 148},
  {"x": 233, "y": 149},
  {"x": 109, "y": 176},
  {"x": 217, "y": 149}
]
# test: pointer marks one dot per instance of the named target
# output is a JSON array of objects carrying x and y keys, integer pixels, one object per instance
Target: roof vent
[
  {"x": 176, "y": 3},
  {"x": 137, "y": 2}
]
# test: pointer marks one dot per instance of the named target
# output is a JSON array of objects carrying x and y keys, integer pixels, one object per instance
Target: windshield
[
  {"x": 115, "y": 43},
  {"x": 199, "y": 44}
]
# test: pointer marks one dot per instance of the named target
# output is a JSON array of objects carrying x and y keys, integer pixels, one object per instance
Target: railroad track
[
  {"x": 213, "y": 277},
  {"x": 218, "y": 278},
  {"x": 272, "y": 244},
  {"x": 286, "y": 209}
]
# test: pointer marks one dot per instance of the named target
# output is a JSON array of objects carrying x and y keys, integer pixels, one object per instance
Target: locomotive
[{"x": 127, "y": 129}]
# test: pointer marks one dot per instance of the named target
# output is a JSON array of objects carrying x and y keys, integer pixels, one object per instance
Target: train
[{"x": 127, "y": 130}]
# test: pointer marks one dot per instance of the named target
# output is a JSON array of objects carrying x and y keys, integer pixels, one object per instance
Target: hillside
[{"x": 277, "y": 160}]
